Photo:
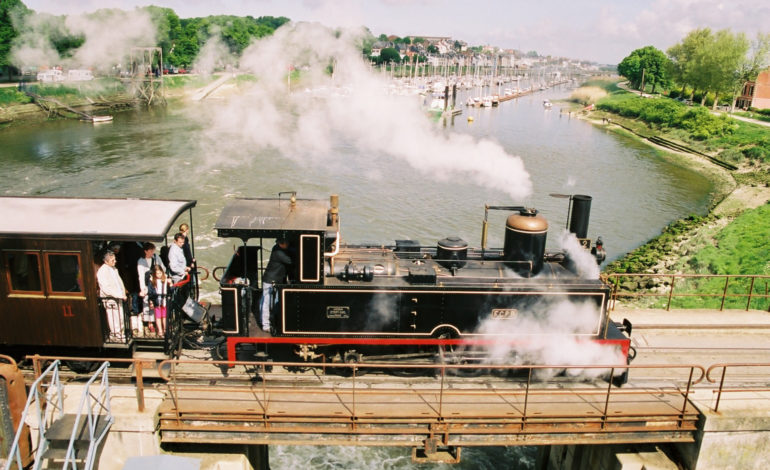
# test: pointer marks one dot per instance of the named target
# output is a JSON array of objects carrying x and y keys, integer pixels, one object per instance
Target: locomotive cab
[{"x": 311, "y": 228}]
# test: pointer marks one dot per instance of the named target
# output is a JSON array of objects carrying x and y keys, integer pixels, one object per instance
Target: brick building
[{"x": 756, "y": 94}]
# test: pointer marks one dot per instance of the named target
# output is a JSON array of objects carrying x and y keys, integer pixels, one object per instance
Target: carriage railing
[
  {"x": 708, "y": 291},
  {"x": 116, "y": 315},
  {"x": 46, "y": 403},
  {"x": 127, "y": 324}
]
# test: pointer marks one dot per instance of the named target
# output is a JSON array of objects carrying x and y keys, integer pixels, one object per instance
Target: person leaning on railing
[{"x": 113, "y": 294}]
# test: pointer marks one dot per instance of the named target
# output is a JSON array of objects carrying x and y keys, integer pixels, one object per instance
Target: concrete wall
[
  {"x": 736, "y": 438},
  {"x": 604, "y": 457}
]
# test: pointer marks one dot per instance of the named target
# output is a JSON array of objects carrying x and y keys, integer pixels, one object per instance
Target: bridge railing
[
  {"x": 529, "y": 387},
  {"x": 744, "y": 377},
  {"x": 712, "y": 291}
]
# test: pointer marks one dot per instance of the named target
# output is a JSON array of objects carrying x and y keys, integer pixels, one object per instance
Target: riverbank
[
  {"x": 737, "y": 191},
  {"x": 102, "y": 96}
]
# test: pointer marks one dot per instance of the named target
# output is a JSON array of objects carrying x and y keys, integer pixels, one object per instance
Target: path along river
[{"x": 157, "y": 154}]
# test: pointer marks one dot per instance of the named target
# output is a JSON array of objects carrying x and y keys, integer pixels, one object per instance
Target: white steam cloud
[
  {"x": 213, "y": 55},
  {"x": 108, "y": 37},
  {"x": 584, "y": 262},
  {"x": 557, "y": 332},
  {"x": 352, "y": 106}
]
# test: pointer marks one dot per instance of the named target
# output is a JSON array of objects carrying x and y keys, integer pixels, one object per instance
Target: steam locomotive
[
  {"x": 340, "y": 302},
  {"x": 354, "y": 302}
]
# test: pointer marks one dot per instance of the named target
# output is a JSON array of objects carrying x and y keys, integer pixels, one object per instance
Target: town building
[{"x": 756, "y": 94}]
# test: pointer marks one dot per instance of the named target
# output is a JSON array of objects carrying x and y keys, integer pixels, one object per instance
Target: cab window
[{"x": 23, "y": 270}]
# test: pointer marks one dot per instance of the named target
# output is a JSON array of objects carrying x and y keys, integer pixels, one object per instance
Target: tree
[
  {"x": 389, "y": 54},
  {"x": 9, "y": 8},
  {"x": 169, "y": 32},
  {"x": 686, "y": 58},
  {"x": 723, "y": 60},
  {"x": 432, "y": 49},
  {"x": 647, "y": 65}
]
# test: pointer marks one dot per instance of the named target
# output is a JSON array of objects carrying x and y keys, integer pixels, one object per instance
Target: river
[{"x": 157, "y": 154}]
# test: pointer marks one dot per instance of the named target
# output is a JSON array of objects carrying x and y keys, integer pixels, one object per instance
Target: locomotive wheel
[
  {"x": 349, "y": 357},
  {"x": 353, "y": 357},
  {"x": 452, "y": 355}
]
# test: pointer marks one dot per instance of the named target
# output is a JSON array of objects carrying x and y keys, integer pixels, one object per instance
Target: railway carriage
[{"x": 50, "y": 250}]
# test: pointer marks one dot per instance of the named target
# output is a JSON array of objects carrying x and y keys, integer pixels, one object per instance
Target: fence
[{"x": 708, "y": 291}]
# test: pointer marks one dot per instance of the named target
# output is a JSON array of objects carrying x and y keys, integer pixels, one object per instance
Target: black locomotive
[{"x": 347, "y": 302}]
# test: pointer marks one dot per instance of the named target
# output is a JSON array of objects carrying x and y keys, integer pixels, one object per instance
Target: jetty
[{"x": 55, "y": 107}]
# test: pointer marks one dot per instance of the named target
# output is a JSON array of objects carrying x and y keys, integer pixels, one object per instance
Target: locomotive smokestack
[{"x": 581, "y": 211}]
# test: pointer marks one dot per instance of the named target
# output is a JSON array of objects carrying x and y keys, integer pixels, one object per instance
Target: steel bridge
[{"x": 434, "y": 408}]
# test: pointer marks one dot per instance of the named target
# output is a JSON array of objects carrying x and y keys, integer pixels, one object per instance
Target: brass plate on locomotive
[
  {"x": 504, "y": 313},
  {"x": 337, "y": 312}
]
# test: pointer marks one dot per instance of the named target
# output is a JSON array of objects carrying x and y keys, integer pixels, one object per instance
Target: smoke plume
[
  {"x": 108, "y": 36},
  {"x": 338, "y": 98}
]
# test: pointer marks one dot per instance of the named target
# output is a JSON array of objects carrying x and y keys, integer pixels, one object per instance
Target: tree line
[
  {"x": 705, "y": 62},
  {"x": 180, "y": 38}
]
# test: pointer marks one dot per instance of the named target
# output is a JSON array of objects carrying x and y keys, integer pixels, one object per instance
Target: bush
[
  {"x": 702, "y": 124},
  {"x": 587, "y": 95},
  {"x": 731, "y": 155},
  {"x": 12, "y": 96},
  {"x": 758, "y": 153}
]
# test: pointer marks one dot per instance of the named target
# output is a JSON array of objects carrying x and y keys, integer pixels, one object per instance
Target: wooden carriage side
[{"x": 49, "y": 258}]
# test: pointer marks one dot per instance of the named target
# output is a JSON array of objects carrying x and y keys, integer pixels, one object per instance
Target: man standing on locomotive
[
  {"x": 276, "y": 271},
  {"x": 113, "y": 294}
]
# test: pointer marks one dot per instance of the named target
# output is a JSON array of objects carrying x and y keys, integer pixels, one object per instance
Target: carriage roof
[
  {"x": 89, "y": 218},
  {"x": 250, "y": 218}
]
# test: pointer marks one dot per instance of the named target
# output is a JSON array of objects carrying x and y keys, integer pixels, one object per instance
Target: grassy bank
[
  {"x": 729, "y": 240},
  {"x": 743, "y": 144}
]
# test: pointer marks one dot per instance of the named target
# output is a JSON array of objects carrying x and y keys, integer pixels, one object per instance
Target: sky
[{"x": 603, "y": 31}]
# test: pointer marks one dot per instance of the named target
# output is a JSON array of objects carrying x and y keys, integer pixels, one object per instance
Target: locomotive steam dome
[
  {"x": 524, "y": 247},
  {"x": 452, "y": 252}
]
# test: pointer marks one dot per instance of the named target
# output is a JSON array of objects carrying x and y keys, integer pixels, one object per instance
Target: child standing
[{"x": 157, "y": 293}]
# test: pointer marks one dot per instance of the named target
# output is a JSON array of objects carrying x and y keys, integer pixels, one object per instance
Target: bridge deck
[{"x": 494, "y": 413}]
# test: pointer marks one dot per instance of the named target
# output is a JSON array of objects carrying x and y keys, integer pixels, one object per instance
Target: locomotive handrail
[
  {"x": 204, "y": 269},
  {"x": 724, "y": 367},
  {"x": 214, "y": 272},
  {"x": 186, "y": 279},
  {"x": 669, "y": 292}
]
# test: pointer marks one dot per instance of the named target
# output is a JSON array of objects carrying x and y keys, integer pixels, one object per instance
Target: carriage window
[
  {"x": 23, "y": 271},
  {"x": 64, "y": 272}
]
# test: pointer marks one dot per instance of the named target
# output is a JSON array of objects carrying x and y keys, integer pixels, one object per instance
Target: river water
[{"x": 158, "y": 154}]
